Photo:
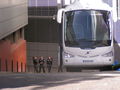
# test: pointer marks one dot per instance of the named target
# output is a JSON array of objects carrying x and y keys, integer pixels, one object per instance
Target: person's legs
[
  {"x": 50, "y": 68},
  {"x": 40, "y": 68},
  {"x": 47, "y": 68},
  {"x": 60, "y": 69},
  {"x": 34, "y": 69},
  {"x": 43, "y": 69}
]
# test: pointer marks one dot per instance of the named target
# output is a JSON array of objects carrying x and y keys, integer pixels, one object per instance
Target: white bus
[{"x": 87, "y": 34}]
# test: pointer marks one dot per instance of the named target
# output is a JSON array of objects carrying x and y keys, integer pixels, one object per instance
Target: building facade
[{"x": 13, "y": 19}]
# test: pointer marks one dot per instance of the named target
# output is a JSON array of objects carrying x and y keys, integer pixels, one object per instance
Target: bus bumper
[{"x": 88, "y": 62}]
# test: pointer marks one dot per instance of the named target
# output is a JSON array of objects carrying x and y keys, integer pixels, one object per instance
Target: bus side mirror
[{"x": 59, "y": 15}]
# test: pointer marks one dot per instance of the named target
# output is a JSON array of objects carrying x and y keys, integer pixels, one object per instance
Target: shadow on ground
[{"x": 44, "y": 81}]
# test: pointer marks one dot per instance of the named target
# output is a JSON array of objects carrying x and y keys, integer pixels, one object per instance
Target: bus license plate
[{"x": 87, "y": 61}]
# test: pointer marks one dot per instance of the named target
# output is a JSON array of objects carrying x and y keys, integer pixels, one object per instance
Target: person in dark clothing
[
  {"x": 49, "y": 63},
  {"x": 35, "y": 63},
  {"x": 41, "y": 64}
]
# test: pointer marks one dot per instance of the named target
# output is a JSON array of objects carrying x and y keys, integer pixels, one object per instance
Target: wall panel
[{"x": 13, "y": 15}]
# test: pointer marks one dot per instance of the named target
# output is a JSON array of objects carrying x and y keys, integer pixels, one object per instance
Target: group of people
[{"x": 39, "y": 63}]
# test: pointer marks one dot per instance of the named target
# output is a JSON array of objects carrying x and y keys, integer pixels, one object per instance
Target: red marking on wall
[{"x": 13, "y": 56}]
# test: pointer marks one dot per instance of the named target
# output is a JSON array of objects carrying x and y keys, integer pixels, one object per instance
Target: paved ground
[{"x": 88, "y": 80}]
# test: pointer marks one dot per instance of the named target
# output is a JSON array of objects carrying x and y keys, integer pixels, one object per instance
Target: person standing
[
  {"x": 35, "y": 63},
  {"x": 49, "y": 63},
  {"x": 41, "y": 64}
]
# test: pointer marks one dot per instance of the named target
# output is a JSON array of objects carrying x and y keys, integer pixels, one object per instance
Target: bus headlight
[
  {"x": 109, "y": 54},
  {"x": 67, "y": 55}
]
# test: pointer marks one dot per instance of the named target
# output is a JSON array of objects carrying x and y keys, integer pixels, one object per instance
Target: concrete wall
[
  {"x": 13, "y": 15},
  {"x": 41, "y": 49}
]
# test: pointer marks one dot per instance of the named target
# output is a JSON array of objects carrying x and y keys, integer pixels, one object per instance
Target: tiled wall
[{"x": 33, "y": 3}]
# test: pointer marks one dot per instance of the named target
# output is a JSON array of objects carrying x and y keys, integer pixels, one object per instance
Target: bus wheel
[
  {"x": 73, "y": 69},
  {"x": 68, "y": 69},
  {"x": 106, "y": 68}
]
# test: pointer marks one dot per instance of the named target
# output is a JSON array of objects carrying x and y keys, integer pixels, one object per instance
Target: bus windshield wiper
[{"x": 85, "y": 40}]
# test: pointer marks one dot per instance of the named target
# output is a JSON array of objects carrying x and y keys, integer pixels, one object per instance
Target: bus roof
[{"x": 88, "y": 5}]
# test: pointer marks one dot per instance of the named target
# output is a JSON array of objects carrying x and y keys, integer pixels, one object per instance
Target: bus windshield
[{"x": 87, "y": 29}]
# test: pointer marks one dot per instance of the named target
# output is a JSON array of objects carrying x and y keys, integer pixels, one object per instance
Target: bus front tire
[
  {"x": 73, "y": 69},
  {"x": 106, "y": 68}
]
